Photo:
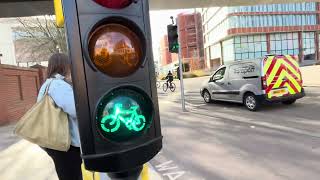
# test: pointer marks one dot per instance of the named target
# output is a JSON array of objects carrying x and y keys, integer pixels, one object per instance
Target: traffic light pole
[
  {"x": 183, "y": 103},
  {"x": 126, "y": 175}
]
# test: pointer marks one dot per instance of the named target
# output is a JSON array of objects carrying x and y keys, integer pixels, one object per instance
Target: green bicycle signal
[
  {"x": 130, "y": 118},
  {"x": 124, "y": 114}
]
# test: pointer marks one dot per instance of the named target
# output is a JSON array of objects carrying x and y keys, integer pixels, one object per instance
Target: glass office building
[{"x": 250, "y": 32}]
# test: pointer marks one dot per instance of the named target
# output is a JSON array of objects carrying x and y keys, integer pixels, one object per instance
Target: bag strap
[{"x": 47, "y": 88}]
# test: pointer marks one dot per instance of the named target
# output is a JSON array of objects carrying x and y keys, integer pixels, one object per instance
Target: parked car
[{"x": 274, "y": 78}]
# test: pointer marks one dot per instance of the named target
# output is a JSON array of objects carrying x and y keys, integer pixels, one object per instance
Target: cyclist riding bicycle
[{"x": 170, "y": 78}]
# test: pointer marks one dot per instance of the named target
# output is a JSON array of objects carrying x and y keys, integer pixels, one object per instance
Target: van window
[
  {"x": 219, "y": 74},
  {"x": 243, "y": 70}
]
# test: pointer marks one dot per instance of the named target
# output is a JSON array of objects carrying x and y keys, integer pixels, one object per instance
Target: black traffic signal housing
[
  {"x": 173, "y": 38},
  {"x": 113, "y": 76}
]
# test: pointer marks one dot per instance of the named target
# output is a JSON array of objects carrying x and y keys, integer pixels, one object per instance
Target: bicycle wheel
[
  {"x": 110, "y": 123},
  {"x": 173, "y": 87},
  {"x": 158, "y": 84},
  {"x": 138, "y": 123},
  {"x": 165, "y": 87}
]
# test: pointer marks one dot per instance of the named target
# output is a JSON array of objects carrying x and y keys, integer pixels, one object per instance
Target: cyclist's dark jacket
[{"x": 170, "y": 77}]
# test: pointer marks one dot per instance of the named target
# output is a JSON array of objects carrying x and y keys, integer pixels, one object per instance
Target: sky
[{"x": 159, "y": 21}]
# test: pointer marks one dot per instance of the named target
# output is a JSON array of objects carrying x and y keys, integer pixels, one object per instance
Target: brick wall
[
  {"x": 18, "y": 91},
  {"x": 215, "y": 64},
  {"x": 196, "y": 64}
]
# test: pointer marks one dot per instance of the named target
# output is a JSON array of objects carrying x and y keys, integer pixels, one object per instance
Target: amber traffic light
[{"x": 115, "y": 50}]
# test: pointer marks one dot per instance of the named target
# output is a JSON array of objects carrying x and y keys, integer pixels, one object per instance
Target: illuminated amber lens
[{"x": 115, "y": 50}]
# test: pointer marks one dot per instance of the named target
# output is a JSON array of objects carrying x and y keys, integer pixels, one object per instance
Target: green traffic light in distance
[
  {"x": 127, "y": 117},
  {"x": 175, "y": 47}
]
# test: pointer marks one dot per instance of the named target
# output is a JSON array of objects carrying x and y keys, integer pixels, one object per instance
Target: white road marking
[
  {"x": 170, "y": 170},
  {"x": 166, "y": 166},
  {"x": 174, "y": 175}
]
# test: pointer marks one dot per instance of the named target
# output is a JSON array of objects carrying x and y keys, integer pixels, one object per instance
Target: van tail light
[
  {"x": 264, "y": 82},
  {"x": 301, "y": 80}
]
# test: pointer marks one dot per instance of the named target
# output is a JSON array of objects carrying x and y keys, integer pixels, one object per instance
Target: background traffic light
[
  {"x": 114, "y": 82},
  {"x": 173, "y": 38}
]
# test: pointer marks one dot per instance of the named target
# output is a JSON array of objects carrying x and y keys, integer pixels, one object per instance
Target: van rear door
[{"x": 283, "y": 76}]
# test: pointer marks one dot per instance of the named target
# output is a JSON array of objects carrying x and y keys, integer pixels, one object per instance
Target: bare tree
[{"x": 38, "y": 37}]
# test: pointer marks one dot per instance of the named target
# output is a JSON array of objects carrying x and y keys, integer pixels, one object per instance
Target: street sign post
[{"x": 114, "y": 83}]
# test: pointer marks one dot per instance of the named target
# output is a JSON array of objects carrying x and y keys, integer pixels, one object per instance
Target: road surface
[{"x": 226, "y": 141}]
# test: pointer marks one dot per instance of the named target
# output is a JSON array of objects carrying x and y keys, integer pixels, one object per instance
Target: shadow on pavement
[{"x": 7, "y": 136}]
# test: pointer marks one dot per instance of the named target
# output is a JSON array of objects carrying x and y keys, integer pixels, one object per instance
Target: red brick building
[
  {"x": 166, "y": 57},
  {"x": 191, "y": 40}
]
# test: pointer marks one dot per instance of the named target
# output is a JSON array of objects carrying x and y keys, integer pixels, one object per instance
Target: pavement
[
  {"x": 7, "y": 136},
  {"x": 310, "y": 75},
  {"x": 16, "y": 161},
  {"x": 22, "y": 160}
]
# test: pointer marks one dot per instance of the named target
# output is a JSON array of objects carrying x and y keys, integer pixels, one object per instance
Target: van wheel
[
  {"x": 206, "y": 96},
  {"x": 289, "y": 102},
  {"x": 251, "y": 102}
]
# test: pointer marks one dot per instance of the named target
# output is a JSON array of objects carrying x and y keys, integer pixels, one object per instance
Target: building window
[
  {"x": 228, "y": 50},
  {"x": 306, "y": 6},
  {"x": 312, "y": 6},
  {"x": 208, "y": 53},
  {"x": 291, "y": 7},
  {"x": 298, "y": 7},
  {"x": 250, "y": 47},
  {"x": 284, "y": 43},
  {"x": 215, "y": 51},
  {"x": 271, "y": 20},
  {"x": 308, "y": 46}
]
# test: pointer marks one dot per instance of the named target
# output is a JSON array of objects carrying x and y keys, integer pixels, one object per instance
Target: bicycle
[
  {"x": 158, "y": 84},
  {"x": 130, "y": 118},
  {"x": 166, "y": 86}
]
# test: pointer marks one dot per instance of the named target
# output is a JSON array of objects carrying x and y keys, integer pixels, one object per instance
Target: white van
[{"x": 275, "y": 78}]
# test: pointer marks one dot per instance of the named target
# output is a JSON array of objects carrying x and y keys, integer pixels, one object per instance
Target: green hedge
[{"x": 197, "y": 73}]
